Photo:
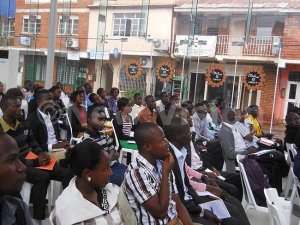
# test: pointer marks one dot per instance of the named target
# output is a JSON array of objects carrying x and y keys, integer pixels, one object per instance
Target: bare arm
[{"x": 183, "y": 214}]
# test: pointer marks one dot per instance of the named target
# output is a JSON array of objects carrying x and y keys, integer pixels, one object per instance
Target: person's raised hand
[{"x": 168, "y": 163}]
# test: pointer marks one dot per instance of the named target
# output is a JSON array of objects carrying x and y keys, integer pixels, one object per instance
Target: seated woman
[
  {"x": 123, "y": 122},
  {"x": 77, "y": 114},
  {"x": 89, "y": 198},
  {"x": 113, "y": 100}
]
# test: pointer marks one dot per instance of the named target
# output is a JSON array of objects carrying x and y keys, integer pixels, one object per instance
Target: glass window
[
  {"x": 68, "y": 25},
  {"x": 36, "y": 67},
  {"x": 8, "y": 28},
  {"x": 126, "y": 24},
  {"x": 32, "y": 24}
]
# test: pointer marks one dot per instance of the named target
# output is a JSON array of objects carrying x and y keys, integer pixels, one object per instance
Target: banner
[
  {"x": 254, "y": 79},
  {"x": 215, "y": 75},
  {"x": 165, "y": 71},
  {"x": 133, "y": 69}
]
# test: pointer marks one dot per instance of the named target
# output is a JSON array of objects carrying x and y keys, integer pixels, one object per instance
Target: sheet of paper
[
  {"x": 217, "y": 207},
  {"x": 220, "y": 177},
  {"x": 266, "y": 141},
  {"x": 262, "y": 152},
  {"x": 50, "y": 165}
]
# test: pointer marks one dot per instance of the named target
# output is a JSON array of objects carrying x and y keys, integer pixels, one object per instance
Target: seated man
[
  {"x": 292, "y": 126},
  {"x": 149, "y": 182},
  {"x": 232, "y": 184},
  {"x": 233, "y": 144},
  {"x": 40, "y": 179},
  {"x": 44, "y": 123},
  {"x": 200, "y": 123},
  {"x": 137, "y": 107},
  {"x": 12, "y": 176},
  {"x": 148, "y": 114},
  {"x": 95, "y": 124},
  {"x": 178, "y": 134}
]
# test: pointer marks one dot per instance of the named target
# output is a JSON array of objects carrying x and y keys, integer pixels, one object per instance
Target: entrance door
[{"x": 292, "y": 96}]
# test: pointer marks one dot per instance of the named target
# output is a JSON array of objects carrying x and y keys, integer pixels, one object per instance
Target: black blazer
[
  {"x": 192, "y": 206},
  {"x": 39, "y": 129},
  {"x": 75, "y": 120}
]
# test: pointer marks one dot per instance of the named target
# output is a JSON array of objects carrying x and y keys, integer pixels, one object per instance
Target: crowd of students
[{"x": 182, "y": 148}]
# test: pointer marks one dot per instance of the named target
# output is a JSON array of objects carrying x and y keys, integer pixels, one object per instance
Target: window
[
  {"x": 66, "y": 71},
  {"x": 35, "y": 67},
  {"x": 126, "y": 24},
  {"x": 213, "y": 26},
  {"x": 68, "y": 25},
  {"x": 8, "y": 28},
  {"x": 32, "y": 24}
]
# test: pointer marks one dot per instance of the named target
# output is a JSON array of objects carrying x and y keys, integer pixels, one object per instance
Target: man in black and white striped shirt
[{"x": 149, "y": 182}]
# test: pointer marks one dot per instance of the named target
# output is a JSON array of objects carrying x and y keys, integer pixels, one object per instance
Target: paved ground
[{"x": 277, "y": 130}]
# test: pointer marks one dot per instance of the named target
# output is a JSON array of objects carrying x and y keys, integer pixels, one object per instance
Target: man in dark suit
[
  {"x": 44, "y": 124},
  {"x": 179, "y": 135}
]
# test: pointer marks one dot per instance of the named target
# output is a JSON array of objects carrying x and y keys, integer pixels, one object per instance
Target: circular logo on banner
[
  {"x": 215, "y": 76},
  {"x": 165, "y": 71},
  {"x": 133, "y": 69},
  {"x": 254, "y": 79}
]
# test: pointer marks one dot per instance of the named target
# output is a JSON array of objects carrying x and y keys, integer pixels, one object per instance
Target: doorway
[{"x": 292, "y": 96}]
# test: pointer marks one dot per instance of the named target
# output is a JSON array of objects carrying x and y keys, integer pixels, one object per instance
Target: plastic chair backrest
[
  {"x": 279, "y": 208},
  {"x": 248, "y": 195},
  {"x": 292, "y": 152},
  {"x": 115, "y": 135}
]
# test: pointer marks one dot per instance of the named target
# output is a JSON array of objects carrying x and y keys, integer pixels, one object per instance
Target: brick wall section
[
  {"x": 41, "y": 40},
  {"x": 291, "y": 47},
  {"x": 267, "y": 94}
]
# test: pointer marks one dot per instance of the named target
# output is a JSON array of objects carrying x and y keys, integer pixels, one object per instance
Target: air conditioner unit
[
  {"x": 276, "y": 45},
  {"x": 72, "y": 43},
  {"x": 146, "y": 62},
  {"x": 161, "y": 45}
]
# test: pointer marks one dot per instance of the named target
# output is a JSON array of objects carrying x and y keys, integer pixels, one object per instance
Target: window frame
[
  {"x": 67, "y": 27},
  {"x": 36, "y": 23},
  {"x": 8, "y": 24},
  {"x": 121, "y": 22}
]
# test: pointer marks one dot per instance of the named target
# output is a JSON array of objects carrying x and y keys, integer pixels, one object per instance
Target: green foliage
[{"x": 130, "y": 92}]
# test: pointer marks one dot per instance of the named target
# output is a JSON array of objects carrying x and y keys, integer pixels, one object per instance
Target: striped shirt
[
  {"x": 126, "y": 129},
  {"x": 102, "y": 139},
  {"x": 244, "y": 130},
  {"x": 142, "y": 181}
]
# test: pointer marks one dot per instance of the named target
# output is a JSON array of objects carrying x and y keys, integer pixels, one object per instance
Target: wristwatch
[{"x": 202, "y": 213}]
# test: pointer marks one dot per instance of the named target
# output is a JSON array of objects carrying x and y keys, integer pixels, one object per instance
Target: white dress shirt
[
  {"x": 181, "y": 155},
  {"x": 50, "y": 130},
  {"x": 135, "y": 111}
]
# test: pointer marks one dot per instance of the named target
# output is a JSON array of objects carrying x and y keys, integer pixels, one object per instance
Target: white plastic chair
[
  {"x": 248, "y": 197},
  {"x": 54, "y": 189},
  {"x": 123, "y": 150},
  {"x": 295, "y": 194},
  {"x": 280, "y": 210},
  {"x": 73, "y": 140},
  {"x": 292, "y": 152}
]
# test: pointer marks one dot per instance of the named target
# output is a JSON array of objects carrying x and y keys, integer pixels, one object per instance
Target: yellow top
[
  {"x": 255, "y": 124},
  {"x": 6, "y": 127}
]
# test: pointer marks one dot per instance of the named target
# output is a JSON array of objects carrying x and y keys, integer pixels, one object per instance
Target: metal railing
[{"x": 256, "y": 46}]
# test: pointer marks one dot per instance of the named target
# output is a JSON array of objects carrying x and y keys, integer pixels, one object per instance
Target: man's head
[
  {"x": 150, "y": 102},
  {"x": 189, "y": 106},
  {"x": 12, "y": 170},
  {"x": 11, "y": 107},
  {"x": 15, "y": 92},
  {"x": 220, "y": 103},
  {"x": 56, "y": 92},
  {"x": 178, "y": 132},
  {"x": 201, "y": 110},
  {"x": 184, "y": 114},
  {"x": 151, "y": 141},
  {"x": 95, "y": 99},
  {"x": 28, "y": 85},
  {"x": 241, "y": 115},
  {"x": 138, "y": 99},
  {"x": 164, "y": 97},
  {"x": 88, "y": 88},
  {"x": 175, "y": 100},
  {"x": 292, "y": 119},
  {"x": 44, "y": 99},
  {"x": 253, "y": 110},
  {"x": 229, "y": 116},
  {"x": 101, "y": 92},
  {"x": 96, "y": 118},
  {"x": 60, "y": 85}
]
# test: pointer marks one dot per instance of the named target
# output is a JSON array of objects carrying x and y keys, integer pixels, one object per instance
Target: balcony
[{"x": 257, "y": 46}]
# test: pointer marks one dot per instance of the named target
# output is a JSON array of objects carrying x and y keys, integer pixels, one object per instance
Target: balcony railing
[{"x": 256, "y": 46}]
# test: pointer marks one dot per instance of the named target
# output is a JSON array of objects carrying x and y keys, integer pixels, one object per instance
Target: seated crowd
[{"x": 185, "y": 162}]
